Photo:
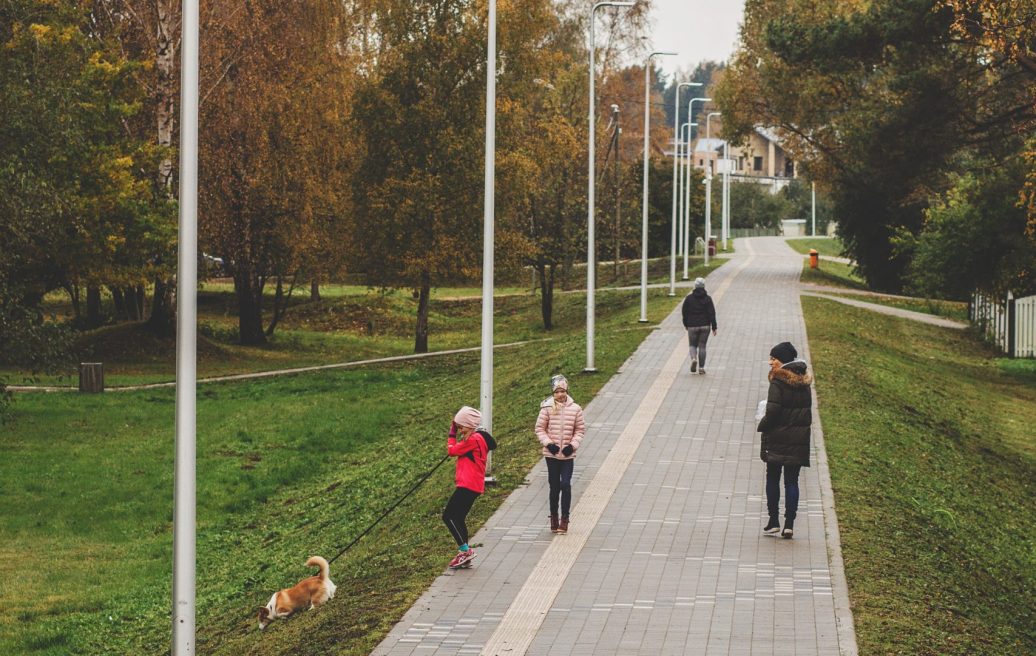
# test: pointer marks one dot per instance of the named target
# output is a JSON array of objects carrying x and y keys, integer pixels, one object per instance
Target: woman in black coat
[{"x": 786, "y": 432}]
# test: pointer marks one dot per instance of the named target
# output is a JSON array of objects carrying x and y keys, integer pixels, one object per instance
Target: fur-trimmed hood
[{"x": 793, "y": 374}]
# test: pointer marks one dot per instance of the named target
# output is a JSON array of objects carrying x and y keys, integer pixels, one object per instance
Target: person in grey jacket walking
[
  {"x": 699, "y": 316},
  {"x": 786, "y": 433}
]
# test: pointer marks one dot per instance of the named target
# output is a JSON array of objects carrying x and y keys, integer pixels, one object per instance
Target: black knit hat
[{"x": 784, "y": 352}]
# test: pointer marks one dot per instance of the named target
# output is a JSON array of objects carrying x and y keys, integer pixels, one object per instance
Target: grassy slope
[
  {"x": 933, "y": 461},
  {"x": 287, "y": 467},
  {"x": 834, "y": 274},
  {"x": 830, "y": 246}
]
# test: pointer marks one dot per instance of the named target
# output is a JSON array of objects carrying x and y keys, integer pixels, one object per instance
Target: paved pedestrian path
[{"x": 665, "y": 553}]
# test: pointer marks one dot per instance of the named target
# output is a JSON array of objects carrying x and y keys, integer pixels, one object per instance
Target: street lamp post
[
  {"x": 708, "y": 186},
  {"x": 813, "y": 208},
  {"x": 686, "y": 220},
  {"x": 681, "y": 153},
  {"x": 591, "y": 263},
  {"x": 644, "y": 213},
  {"x": 185, "y": 473},
  {"x": 688, "y": 165},
  {"x": 676, "y": 182},
  {"x": 726, "y": 192},
  {"x": 488, "y": 235}
]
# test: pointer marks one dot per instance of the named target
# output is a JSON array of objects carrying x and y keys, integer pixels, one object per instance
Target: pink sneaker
[{"x": 462, "y": 559}]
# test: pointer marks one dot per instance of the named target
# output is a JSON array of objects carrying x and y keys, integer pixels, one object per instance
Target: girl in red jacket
[{"x": 470, "y": 446}]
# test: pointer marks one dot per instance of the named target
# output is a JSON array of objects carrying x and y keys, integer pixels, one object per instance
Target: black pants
[
  {"x": 791, "y": 489},
  {"x": 559, "y": 476},
  {"x": 456, "y": 511}
]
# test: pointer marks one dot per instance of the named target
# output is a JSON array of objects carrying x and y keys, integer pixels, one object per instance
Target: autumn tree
[
  {"x": 418, "y": 186},
  {"x": 881, "y": 101},
  {"x": 75, "y": 207},
  {"x": 271, "y": 145}
]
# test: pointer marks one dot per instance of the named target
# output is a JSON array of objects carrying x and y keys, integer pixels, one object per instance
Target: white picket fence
[{"x": 1010, "y": 323}]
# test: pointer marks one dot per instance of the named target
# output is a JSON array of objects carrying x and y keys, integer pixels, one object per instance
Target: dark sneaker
[
  {"x": 789, "y": 529},
  {"x": 694, "y": 366},
  {"x": 772, "y": 527},
  {"x": 462, "y": 559},
  {"x": 553, "y": 523},
  {"x": 563, "y": 526},
  {"x": 702, "y": 371}
]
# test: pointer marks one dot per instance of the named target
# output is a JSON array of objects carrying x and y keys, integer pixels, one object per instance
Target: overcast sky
[{"x": 697, "y": 29}]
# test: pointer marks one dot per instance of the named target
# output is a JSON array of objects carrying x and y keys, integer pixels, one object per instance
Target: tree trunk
[
  {"x": 134, "y": 307},
  {"x": 162, "y": 321},
  {"x": 141, "y": 296},
  {"x": 73, "y": 294},
  {"x": 566, "y": 271},
  {"x": 93, "y": 306},
  {"x": 547, "y": 295},
  {"x": 120, "y": 303},
  {"x": 314, "y": 291},
  {"x": 421, "y": 337},
  {"x": 166, "y": 46},
  {"x": 280, "y": 303},
  {"x": 249, "y": 292}
]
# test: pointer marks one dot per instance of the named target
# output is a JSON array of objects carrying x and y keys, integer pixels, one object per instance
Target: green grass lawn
[
  {"x": 349, "y": 323},
  {"x": 287, "y": 467},
  {"x": 832, "y": 274},
  {"x": 933, "y": 461},
  {"x": 829, "y": 246}
]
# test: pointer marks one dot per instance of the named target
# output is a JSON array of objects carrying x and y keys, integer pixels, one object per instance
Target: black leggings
[
  {"x": 456, "y": 511},
  {"x": 559, "y": 476}
]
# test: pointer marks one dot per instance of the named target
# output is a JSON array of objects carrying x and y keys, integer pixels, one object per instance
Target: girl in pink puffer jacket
[{"x": 560, "y": 428}]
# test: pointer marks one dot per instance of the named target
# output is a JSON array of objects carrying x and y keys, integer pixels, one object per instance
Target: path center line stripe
[{"x": 526, "y": 613}]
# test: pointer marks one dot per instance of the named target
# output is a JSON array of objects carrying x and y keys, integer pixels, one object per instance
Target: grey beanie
[{"x": 699, "y": 283}]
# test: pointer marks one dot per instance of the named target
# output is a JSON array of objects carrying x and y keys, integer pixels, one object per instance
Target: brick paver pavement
[{"x": 665, "y": 554}]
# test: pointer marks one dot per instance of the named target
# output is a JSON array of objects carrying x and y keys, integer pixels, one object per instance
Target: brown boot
[
  {"x": 553, "y": 523},
  {"x": 563, "y": 526}
]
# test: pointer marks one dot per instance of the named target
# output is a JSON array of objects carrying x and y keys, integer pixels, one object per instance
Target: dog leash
[{"x": 394, "y": 506}]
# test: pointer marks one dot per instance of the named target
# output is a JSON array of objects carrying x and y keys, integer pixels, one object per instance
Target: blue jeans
[
  {"x": 791, "y": 489},
  {"x": 559, "y": 476}
]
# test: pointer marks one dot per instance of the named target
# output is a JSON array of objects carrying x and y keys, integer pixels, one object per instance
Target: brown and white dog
[{"x": 309, "y": 592}]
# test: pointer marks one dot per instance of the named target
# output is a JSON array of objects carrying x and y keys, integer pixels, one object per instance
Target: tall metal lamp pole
[
  {"x": 644, "y": 221},
  {"x": 591, "y": 263}
]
